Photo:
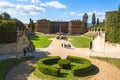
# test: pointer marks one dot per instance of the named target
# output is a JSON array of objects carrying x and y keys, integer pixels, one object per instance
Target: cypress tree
[
  {"x": 93, "y": 19},
  {"x": 84, "y": 23},
  {"x": 31, "y": 25},
  {"x": 98, "y": 21}
]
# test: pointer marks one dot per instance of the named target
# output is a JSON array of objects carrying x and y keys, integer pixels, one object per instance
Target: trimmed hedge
[
  {"x": 113, "y": 26},
  {"x": 84, "y": 67},
  {"x": 8, "y": 32},
  {"x": 64, "y": 64},
  {"x": 44, "y": 65}
]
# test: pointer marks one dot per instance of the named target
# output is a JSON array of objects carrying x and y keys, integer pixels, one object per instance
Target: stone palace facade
[{"x": 52, "y": 27}]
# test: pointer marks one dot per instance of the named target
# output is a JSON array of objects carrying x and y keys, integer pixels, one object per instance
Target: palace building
[{"x": 52, "y": 27}]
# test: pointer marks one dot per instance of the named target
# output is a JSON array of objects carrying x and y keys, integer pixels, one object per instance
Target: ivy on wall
[
  {"x": 8, "y": 32},
  {"x": 113, "y": 26}
]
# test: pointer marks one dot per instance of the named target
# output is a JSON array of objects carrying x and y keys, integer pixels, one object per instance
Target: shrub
[
  {"x": 44, "y": 65},
  {"x": 64, "y": 64},
  {"x": 84, "y": 67},
  {"x": 8, "y": 32},
  {"x": 113, "y": 26}
]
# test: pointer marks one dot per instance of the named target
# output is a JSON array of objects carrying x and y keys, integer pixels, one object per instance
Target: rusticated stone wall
[{"x": 16, "y": 47}]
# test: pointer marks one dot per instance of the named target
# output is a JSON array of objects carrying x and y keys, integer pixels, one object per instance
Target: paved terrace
[{"x": 23, "y": 70}]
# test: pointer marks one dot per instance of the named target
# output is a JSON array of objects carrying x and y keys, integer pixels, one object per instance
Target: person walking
[
  {"x": 91, "y": 44},
  {"x": 24, "y": 51},
  {"x": 62, "y": 44}
]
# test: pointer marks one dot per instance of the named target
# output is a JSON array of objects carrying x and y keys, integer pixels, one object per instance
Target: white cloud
[
  {"x": 54, "y": 4},
  {"x": 72, "y": 13},
  {"x": 65, "y": 13},
  {"x": 23, "y": 0},
  {"x": 19, "y": 9},
  {"x": 34, "y": 1},
  {"x": 100, "y": 15}
]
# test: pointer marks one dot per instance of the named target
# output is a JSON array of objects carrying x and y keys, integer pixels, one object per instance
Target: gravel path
[{"x": 106, "y": 71}]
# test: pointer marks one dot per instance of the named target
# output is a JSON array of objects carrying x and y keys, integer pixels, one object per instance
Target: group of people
[
  {"x": 28, "y": 49},
  {"x": 66, "y": 45}
]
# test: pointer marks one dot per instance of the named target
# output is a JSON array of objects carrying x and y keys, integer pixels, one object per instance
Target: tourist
[
  {"x": 24, "y": 51},
  {"x": 62, "y": 44},
  {"x": 69, "y": 46},
  {"x": 90, "y": 45}
]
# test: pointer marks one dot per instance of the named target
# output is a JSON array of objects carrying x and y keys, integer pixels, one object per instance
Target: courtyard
[
  {"x": 103, "y": 71},
  {"x": 59, "y": 40}
]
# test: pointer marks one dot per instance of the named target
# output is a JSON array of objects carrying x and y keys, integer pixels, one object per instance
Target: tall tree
[
  {"x": 0, "y": 17},
  {"x": 85, "y": 18},
  {"x": 98, "y": 21},
  {"x": 5, "y": 16},
  {"x": 93, "y": 19},
  {"x": 119, "y": 7},
  {"x": 84, "y": 23},
  {"x": 31, "y": 25}
]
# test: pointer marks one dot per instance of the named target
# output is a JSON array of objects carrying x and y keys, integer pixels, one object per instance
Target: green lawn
[
  {"x": 113, "y": 61},
  {"x": 80, "y": 41},
  {"x": 6, "y": 65},
  {"x": 66, "y": 74},
  {"x": 41, "y": 41}
]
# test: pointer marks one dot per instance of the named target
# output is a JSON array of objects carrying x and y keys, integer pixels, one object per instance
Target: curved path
[{"x": 106, "y": 71}]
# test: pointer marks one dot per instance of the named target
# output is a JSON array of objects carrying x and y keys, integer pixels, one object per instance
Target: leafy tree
[
  {"x": 31, "y": 25},
  {"x": 0, "y": 17},
  {"x": 84, "y": 23},
  {"x": 85, "y": 18},
  {"x": 93, "y": 19},
  {"x": 5, "y": 16},
  {"x": 19, "y": 24},
  {"x": 98, "y": 21},
  {"x": 119, "y": 7}
]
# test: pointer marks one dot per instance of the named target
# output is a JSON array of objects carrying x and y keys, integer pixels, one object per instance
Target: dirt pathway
[{"x": 106, "y": 71}]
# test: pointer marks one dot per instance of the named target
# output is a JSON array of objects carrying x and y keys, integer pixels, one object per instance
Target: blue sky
[{"x": 63, "y": 10}]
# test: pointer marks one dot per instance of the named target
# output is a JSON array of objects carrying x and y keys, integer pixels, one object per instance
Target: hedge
[
  {"x": 8, "y": 32},
  {"x": 113, "y": 26},
  {"x": 84, "y": 67},
  {"x": 64, "y": 64},
  {"x": 44, "y": 65}
]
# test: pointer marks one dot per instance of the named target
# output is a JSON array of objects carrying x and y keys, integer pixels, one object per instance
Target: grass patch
[
  {"x": 89, "y": 35},
  {"x": 80, "y": 41},
  {"x": 113, "y": 61},
  {"x": 41, "y": 41},
  {"x": 66, "y": 74},
  {"x": 6, "y": 65}
]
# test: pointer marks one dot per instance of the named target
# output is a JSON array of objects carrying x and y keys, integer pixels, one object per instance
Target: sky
[{"x": 57, "y": 10}]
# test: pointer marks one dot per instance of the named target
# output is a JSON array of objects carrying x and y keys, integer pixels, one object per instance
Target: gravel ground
[{"x": 105, "y": 70}]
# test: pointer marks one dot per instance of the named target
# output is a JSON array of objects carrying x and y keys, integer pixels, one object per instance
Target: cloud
[
  {"x": 23, "y": 0},
  {"x": 18, "y": 9},
  {"x": 34, "y": 1},
  {"x": 54, "y": 4},
  {"x": 65, "y": 13},
  {"x": 100, "y": 15},
  {"x": 72, "y": 13}
]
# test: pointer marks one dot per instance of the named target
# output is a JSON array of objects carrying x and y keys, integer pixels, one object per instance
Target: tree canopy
[
  {"x": 19, "y": 24},
  {"x": 84, "y": 23},
  {"x": 31, "y": 25},
  {"x": 5, "y": 16},
  {"x": 98, "y": 21},
  {"x": 93, "y": 19}
]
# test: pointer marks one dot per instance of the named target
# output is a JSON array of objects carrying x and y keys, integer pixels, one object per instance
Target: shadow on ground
[
  {"x": 94, "y": 71},
  {"x": 24, "y": 69}
]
